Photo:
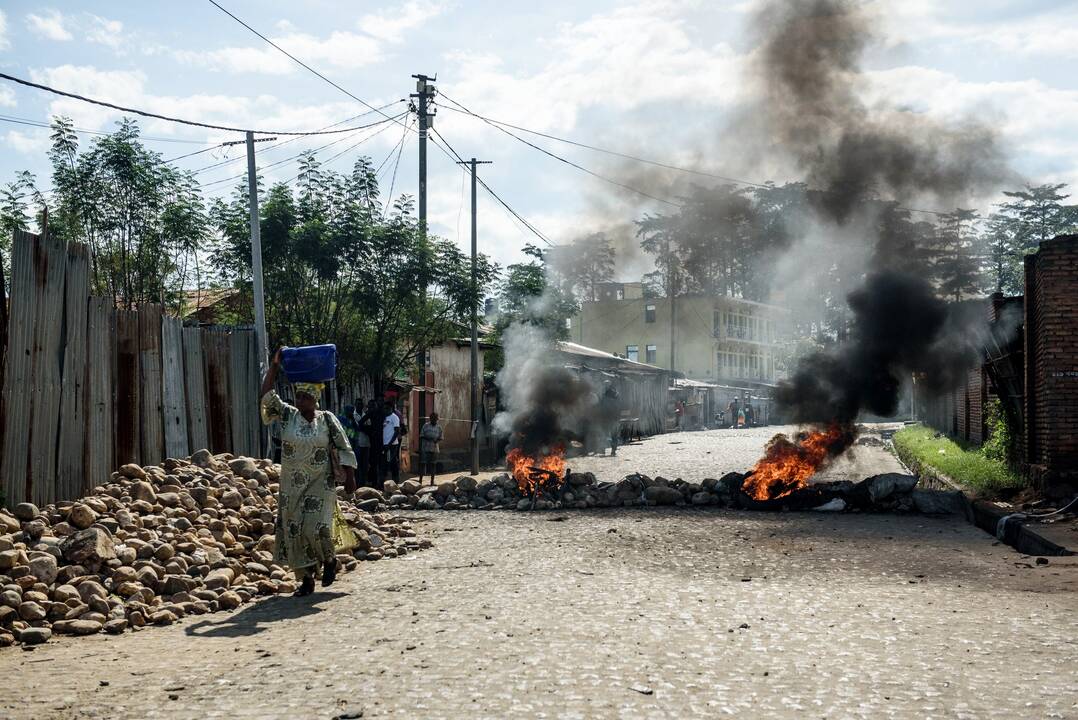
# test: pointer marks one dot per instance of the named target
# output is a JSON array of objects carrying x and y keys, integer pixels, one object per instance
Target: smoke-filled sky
[{"x": 666, "y": 80}]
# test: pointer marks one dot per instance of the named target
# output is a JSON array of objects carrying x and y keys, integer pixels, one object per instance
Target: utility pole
[
  {"x": 424, "y": 93},
  {"x": 475, "y": 323},
  {"x": 673, "y": 314},
  {"x": 261, "y": 341}
]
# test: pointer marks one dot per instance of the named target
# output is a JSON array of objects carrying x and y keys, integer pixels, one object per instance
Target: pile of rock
[
  {"x": 155, "y": 544},
  {"x": 891, "y": 492}
]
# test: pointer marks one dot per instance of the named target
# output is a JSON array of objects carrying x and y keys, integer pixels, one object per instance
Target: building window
[
  {"x": 632, "y": 352},
  {"x": 649, "y": 313},
  {"x": 649, "y": 354},
  {"x": 568, "y": 323},
  {"x": 619, "y": 294}
]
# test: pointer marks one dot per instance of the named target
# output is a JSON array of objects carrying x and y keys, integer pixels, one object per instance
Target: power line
[
  {"x": 299, "y": 62},
  {"x": 227, "y": 161},
  {"x": 491, "y": 121},
  {"x": 559, "y": 158},
  {"x": 499, "y": 123},
  {"x": 493, "y": 194},
  {"x": 156, "y": 116},
  {"x": 393, "y": 182},
  {"x": 334, "y": 157},
  {"x": 85, "y": 131}
]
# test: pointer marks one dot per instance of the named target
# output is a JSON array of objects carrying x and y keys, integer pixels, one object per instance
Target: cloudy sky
[{"x": 655, "y": 79}]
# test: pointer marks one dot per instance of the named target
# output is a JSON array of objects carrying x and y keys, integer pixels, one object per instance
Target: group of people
[
  {"x": 740, "y": 416},
  {"x": 375, "y": 434}
]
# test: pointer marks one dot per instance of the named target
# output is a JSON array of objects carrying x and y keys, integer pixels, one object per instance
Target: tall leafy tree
[
  {"x": 1039, "y": 214},
  {"x": 957, "y": 266}
]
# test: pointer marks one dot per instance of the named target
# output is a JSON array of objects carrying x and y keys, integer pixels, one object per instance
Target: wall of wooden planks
[{"x": 87, "y": 387}]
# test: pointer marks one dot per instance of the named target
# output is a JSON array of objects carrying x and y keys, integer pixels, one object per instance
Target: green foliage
[
  {"x": 969, "y": 467},
  {"x": 530, "y": 293},
  {"x": 143, "y": 220},
  {"x": 1002, "y": 443},
  {"x": 336, "y": 269}
]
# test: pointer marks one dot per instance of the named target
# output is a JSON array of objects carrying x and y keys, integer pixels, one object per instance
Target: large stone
[
  {"x": 466, "y": 484},
  {"x": 229, "y": 600},
  {"x": 939, "y": 502},
  {"x": 91, "y": 548},
  {"x": 702, "y": 498},
  {"x": 389, "y": 487},
  {"x": 244, "y": 467},
  {"x": 143, "y": 490},
  {"x": 44, "y": 567},
  {"x": 881, "y": 487},
  {"x": 132, "y": 471},
  {"x": 26, "y": 511},
  {"x": 427, "y": 502},
  {"x": 91, "y": 589},
  {"x": 31, "y": 611},
  {"x": 581, "y": 479},
  {"x": 410, "y": 487},
  {"x": 445, "y": 489},
  {"x": 398, "y": 500},
  {"x": 232, "y": 499},
  {"x": 662, "y": 495},
  {"x": 202, "y": 458},
  {"x": 369, "y": 493},
  {"x": 35, "y": 635},
  {"x": 8, "y": 559},
  {"x": 77, "y": 627},
  {"x": 219, "y": 578},
  {"x": 81, "y": 516}
]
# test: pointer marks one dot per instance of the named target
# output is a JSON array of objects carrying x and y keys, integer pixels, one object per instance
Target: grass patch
[{"x": 919, "y": 448}]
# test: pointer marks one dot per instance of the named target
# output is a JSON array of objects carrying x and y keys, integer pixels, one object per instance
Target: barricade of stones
[
  {"x": 158, "y": 543},
  {"x": 891, "y": 492}
]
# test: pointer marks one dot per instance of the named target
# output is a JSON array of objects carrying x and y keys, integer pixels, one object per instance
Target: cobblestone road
[{"x": 628, "y": 613}]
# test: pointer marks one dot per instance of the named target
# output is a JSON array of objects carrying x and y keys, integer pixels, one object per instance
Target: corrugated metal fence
[{"x": 88, "y": 387}]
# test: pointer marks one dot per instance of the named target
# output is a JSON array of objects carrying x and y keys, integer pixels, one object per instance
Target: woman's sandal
[
  {"x": 329, "y": 573},
  {"x": 306, "y": 587}
]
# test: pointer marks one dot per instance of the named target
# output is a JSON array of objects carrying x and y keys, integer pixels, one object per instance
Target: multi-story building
[{"x": 721, "y": 340}]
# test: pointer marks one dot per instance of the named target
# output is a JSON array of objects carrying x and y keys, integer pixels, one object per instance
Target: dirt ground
[{"x": 628, "y": 613}]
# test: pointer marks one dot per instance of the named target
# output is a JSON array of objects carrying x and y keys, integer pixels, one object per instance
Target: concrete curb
[{"x": 995, "y": 518}]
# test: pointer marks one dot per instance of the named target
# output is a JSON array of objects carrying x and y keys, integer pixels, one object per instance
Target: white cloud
[
  {"x": 5, "y": 43},
  {"x": 50, "y": 25},
  {"x": 7, "y": 96},
  {"x": 29, "y": 143},
  {"x": 54, "y": 25},
  {"x": 345, "y": 50},
  {"x": 390, "y": 25},
  {"x": 104, "y": 31}
]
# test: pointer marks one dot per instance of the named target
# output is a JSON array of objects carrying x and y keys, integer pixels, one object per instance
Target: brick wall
[
  {"x": 975, "y": 397},
  {"x": 1051, "y": 362}
]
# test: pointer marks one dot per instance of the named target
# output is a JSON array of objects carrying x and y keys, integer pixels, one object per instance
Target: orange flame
[
  {"x": 527, "y": 470},
  {"x": 787, "y": 465}
]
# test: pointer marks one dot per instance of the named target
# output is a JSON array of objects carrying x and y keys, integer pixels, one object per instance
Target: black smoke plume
[
  {"x": 545, "y": 402},
  {"x": 900, "y": 327},
  {"x": 809, "y": 68}
]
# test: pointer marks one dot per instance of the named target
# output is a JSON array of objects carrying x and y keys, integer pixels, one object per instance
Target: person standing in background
[
  {"x": 430, "y": 436},
  {"x": 362, "y": 444},
  {"x": 391, "y": 441},
  {"x": 370, "y": 423}
]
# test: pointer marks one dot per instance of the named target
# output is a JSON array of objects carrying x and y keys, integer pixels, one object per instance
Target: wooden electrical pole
[{"x": 475, "y": 322}]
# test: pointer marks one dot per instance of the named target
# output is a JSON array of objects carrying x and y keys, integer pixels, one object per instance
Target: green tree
[
  {"x": 583, "y": 264},
  {"x": 337, "y": 270},
  {"x": 957, "y": 266},
  {"x": 526, "y": 295},
  {"x": 999, "y": 247},
  {"x": 1038, "y": 214}
]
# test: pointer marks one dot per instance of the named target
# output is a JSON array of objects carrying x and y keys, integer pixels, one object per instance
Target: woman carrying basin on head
[{"x": 312, "y": 442}]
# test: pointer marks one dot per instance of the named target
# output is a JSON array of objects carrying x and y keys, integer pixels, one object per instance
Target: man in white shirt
[{"x": 391, "y": 440}]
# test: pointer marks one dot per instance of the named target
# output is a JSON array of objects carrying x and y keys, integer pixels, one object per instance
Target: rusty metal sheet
[
  {"x": 215, "y": 352},
  {"x": 50, "y": 270},
  {"x": 100, "y": 352},
  {"x": 126, "y": 384},
  {"x": 195, "y": 389},
  {"x": 172, "y": 388},
  {"x": 16, "y": 408},
  {"x": 73, "y": 397},
  {"x": 151, "y": 415}
]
